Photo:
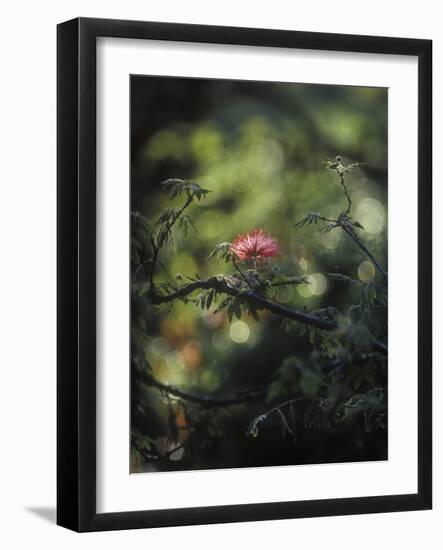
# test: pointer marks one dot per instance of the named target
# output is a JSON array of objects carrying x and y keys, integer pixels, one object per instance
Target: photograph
[{"x": 259, "y": 273}]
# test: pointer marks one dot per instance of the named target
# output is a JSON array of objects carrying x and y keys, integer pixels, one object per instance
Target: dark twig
[
  {"x": 360, "y": 244},
  {"x": 242, "y": 275},
  {"x": 174, "y": 219},
  {"x": 253, "y": 426},
  {"x": 285, "y": 404},
  {"x": 297, "y": 281},
  {"x": 345, "y": 189},
  {"x": 205, "y": 400},
  {"x": 379, "y": 346},
  {"x": 159, "y": 242}
]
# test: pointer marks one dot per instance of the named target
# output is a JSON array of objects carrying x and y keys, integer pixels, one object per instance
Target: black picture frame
[{"x": 76, "y": 297}]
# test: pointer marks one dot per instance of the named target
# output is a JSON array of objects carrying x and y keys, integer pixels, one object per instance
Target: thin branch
[
  {"x": 285, "y": 403},
  {"x": 379, "y": 346},
  {"x": 360, "y": 244},
  {"x": 243, "y": 276},
  {"x": 221, "y": 286},
  {"x": 154, "y": 263},
  {"x": 173, "y": 220},
  {"x": 345, "y": 189},
  {"x": 253, "y": 426},
  {"x": 157, "y": 245},
  {"x": 296, "y": 281},
  {"x": 205, "y": 400}
]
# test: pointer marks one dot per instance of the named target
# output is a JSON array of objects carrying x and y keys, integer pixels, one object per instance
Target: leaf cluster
[{"x": 175, "y": 187}]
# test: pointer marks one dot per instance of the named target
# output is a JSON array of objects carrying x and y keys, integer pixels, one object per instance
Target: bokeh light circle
[
  {"x": 239, "y": 332},
  {"x": 366, "y": 271},
  {"x": 372, "y": 215}
]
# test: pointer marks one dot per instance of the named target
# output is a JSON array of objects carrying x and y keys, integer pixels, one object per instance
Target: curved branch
[
  {"x": 223, "y": 400},
  {"x": 205, "y": 400},
  {"x": 148, "y": 456},
  {"x": 220, "y": 285},
  {"x": 260, "y": 302}
]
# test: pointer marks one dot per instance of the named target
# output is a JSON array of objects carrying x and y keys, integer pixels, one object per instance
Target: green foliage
[
  {"x": 224, "y": 252},
  {"x": 340, "y": 168},
  {"x": 313, "y": 409},
  {"x": 206, "y": 298},
  {"x": 286, "y": 379},
  {"x": 175, "y": 187},
  {"x": 311, "y": 218},
  {"x": 185, "y": 224},
  {"x": 141, "y": 242},
  {"x": 371, "y": 408},
  {"x": 371, "y": 292}
]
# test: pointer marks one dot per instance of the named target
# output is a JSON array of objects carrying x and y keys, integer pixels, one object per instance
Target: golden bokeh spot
[
  {"x": 318, "y": 284},
  {"x": 366, "y": 271},
  {"x": 239, "y": 332},
  {"x": 177, "y": 332}
]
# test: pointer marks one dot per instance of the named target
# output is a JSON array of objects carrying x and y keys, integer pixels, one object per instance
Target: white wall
[{"x": 27, "y": 273}]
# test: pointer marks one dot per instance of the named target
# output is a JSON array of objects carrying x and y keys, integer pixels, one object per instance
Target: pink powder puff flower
[{"x": 257, "y": 245}]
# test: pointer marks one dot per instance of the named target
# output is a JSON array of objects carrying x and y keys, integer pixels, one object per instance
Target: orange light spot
[
  {"x": 214, "y": 320},
  {"x": 176, "y": 332},
  {"x": 191, "y": 353}
]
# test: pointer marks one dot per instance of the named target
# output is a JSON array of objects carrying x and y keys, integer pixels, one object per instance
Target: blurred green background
[{"x": 260, "y": 148}]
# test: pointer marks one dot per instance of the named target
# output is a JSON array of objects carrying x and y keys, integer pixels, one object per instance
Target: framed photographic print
[{"x": 244, "y": 274}]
